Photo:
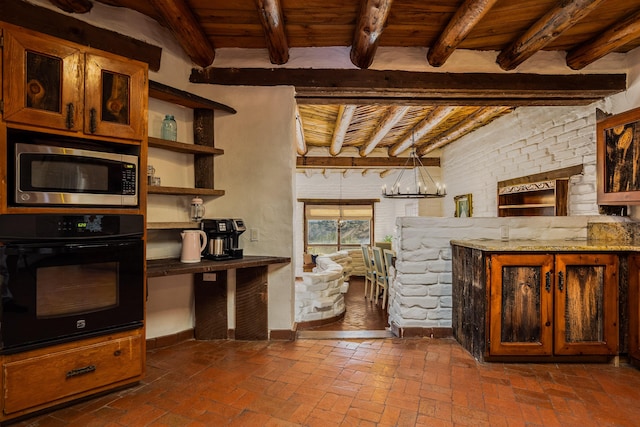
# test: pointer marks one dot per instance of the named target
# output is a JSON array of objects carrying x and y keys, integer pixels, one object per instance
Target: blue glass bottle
[{"x": 169, "y": 128}]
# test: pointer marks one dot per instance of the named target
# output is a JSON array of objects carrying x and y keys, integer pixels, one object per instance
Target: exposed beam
[
  {"x": 481, "y": 117},
  {"x": 360, "y": 162},
  {"x": 47, "y": 21},
  {"x": 345, "y": 114},
  {"x": 421, "y": 129},
  {"x": 563, "y": 16},
  {"x": 371, "y": 21},
  {"x": 463, "y": 21},
  {"x": 73, "y": 6},
  {"x": 386, "y": 123},
  {"x": 614, "y": 37},
  {"x": 272, "y": 20},
  {"x": 186, "y": 29},
  {"x": 301, "y": 145},
  {"x": 414, "y": 88}
]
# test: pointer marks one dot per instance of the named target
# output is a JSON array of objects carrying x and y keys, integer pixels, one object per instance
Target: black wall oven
[{"x": 66, "y": 277}]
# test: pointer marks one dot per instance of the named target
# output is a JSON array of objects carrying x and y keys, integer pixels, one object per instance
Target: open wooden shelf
[
  {"x": 184, "y": 191},
  {"x": 176, "y": 96},
  {"x": 173, "y": 225},
  {"x": 181, "y": 147}
]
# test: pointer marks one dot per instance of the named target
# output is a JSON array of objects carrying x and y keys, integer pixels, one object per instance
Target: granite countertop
[{"x": 547, "y": 245}]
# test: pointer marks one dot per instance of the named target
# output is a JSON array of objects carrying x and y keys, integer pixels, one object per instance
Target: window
[{"x": 333, "y": 226}]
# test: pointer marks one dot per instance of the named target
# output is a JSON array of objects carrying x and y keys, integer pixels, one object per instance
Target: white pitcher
[{"x": 193, "y": 243}]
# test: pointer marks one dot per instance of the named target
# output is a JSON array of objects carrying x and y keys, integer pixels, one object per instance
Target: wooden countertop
[
  {"x": 173, "y": 266},
  {"x": 546, "y": 245}
]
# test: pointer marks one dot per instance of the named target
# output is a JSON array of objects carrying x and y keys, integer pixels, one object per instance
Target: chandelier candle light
[{"x": 419, "y": 187}]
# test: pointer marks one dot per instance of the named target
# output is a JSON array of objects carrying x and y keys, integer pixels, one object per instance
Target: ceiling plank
[
  {"x": 563, "y": 16},
  {"x": 272, "y": 20},
  {"x": 480, "y": 118},
  {"x": 73, "y": 6},
  {"x": 319, "y": 162},
  {"x": 366, "y": 37},
  {"x": 465, "y": 18},
  {"x": 186, "y": 29},
  {"x": 345, "y": 114},
  {"x": 414, "y": 88},
  {"x": 390, "y": 118},
  {"x": 421, "y": 129},
  {"x": 614, "y": 37}
]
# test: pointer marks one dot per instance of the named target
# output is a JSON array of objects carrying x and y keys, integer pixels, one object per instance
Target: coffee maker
[{"x": 223, "y": 238}]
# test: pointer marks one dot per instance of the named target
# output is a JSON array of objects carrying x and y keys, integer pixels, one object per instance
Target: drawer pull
[{"x": 81, "y": 371}]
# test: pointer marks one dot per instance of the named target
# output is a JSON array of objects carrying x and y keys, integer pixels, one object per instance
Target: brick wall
[{"x": 528, "y": 141}]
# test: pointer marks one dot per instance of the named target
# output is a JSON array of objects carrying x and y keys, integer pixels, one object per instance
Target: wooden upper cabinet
[
  {"x": 53, "y": 84},
  {"x": 43, "y": 82},
  {"x": 115, "y": 91}
]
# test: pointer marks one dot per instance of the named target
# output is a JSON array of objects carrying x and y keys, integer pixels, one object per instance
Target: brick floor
[{"x": 357, "y": 382}]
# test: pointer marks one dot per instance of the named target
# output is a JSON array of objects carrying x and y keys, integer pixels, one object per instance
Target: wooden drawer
[{"x": 52, "y": 377}]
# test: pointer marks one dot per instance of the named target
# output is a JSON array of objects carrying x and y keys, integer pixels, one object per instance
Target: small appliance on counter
[{"x": 223, "y": 238}]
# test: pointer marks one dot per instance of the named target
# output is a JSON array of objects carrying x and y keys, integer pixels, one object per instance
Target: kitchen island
[{"x": 520, "y": 300}]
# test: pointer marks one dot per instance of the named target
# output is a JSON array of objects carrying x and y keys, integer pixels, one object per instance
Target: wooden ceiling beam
[
  {"x": 345, "y": 114},
  {"x": 463, "y": 21},
  {"x": 413, "y": 88},
  {"x": 185, "y": 28},
  {"x": 614, "y": 37},
  {"x": 301, "y": 145},
  {"x": 366, "y": 37},
  {"x": 73, "y": 6},
  {"x": 272, "y": 21},
  {"x": 563, "y": 16},
  {"x": 479, "y": 118},
  {"x": 382, "y": 128},
  {"x": 421, "y": 129},
  {"x": 318, "y": 162}
]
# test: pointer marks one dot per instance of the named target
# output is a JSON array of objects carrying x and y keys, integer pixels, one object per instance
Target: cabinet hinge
[
  {"x": 1, "y": 41},
  {"x": 1, "y": 106}
]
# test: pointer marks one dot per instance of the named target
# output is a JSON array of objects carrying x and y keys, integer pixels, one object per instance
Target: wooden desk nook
[{"x": 210, "y": 292}]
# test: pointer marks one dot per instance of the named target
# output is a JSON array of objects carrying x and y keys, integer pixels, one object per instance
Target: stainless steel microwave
[{"x": 65, "y": 176}]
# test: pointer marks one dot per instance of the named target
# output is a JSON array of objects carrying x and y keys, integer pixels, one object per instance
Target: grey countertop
[{"x": 546, "y": 245}]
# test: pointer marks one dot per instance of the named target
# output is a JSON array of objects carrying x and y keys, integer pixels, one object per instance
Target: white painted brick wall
[
  {"x": 420, "y": 294},
  {"x": 528, "y": 141}
]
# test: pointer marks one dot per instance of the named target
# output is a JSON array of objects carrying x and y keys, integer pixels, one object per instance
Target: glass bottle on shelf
[
  {"x": 169, "y": 128},
  {"x": 197, "y": 209}
]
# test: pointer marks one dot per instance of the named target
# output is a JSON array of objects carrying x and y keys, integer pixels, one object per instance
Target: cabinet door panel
[
  {"x": 521, "y": 305},
  {"x": 45, "y": 87},
  {"x": 634, "y": 309},
  {"x": 114, "y": 97},
  {"x": 586, "y": 298}
]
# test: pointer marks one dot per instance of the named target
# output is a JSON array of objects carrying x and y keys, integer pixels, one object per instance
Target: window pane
[
  {"x": 354, "y": 232},
  {"x": 322, "y": 232}
]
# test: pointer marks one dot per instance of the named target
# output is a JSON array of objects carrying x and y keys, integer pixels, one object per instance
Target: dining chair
[
  {"x": 381, "y": 280},
  {"x": 369, "y": 273}
]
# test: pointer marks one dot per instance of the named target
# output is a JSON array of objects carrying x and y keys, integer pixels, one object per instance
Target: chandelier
[{"x": 422, "y": 185}]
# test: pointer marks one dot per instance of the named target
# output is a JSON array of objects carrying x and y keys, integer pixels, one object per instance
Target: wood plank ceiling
[{"x": 379, "y": 127}]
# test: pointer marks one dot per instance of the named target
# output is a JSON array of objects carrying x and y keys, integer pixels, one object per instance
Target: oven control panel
[{"x": 54, "y": 226}]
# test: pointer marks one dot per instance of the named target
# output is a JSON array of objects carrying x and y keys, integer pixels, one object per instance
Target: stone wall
[{"x": 420, "y": 294}]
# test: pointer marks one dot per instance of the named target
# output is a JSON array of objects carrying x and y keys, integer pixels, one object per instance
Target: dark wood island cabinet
[{"x": 517, "y": 301}]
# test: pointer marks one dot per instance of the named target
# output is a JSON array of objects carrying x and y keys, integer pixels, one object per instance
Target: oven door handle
[{"x": 80, "y": 246}]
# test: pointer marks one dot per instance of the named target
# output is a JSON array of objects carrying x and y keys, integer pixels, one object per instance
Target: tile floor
[{"x": 356, "y": 382}]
